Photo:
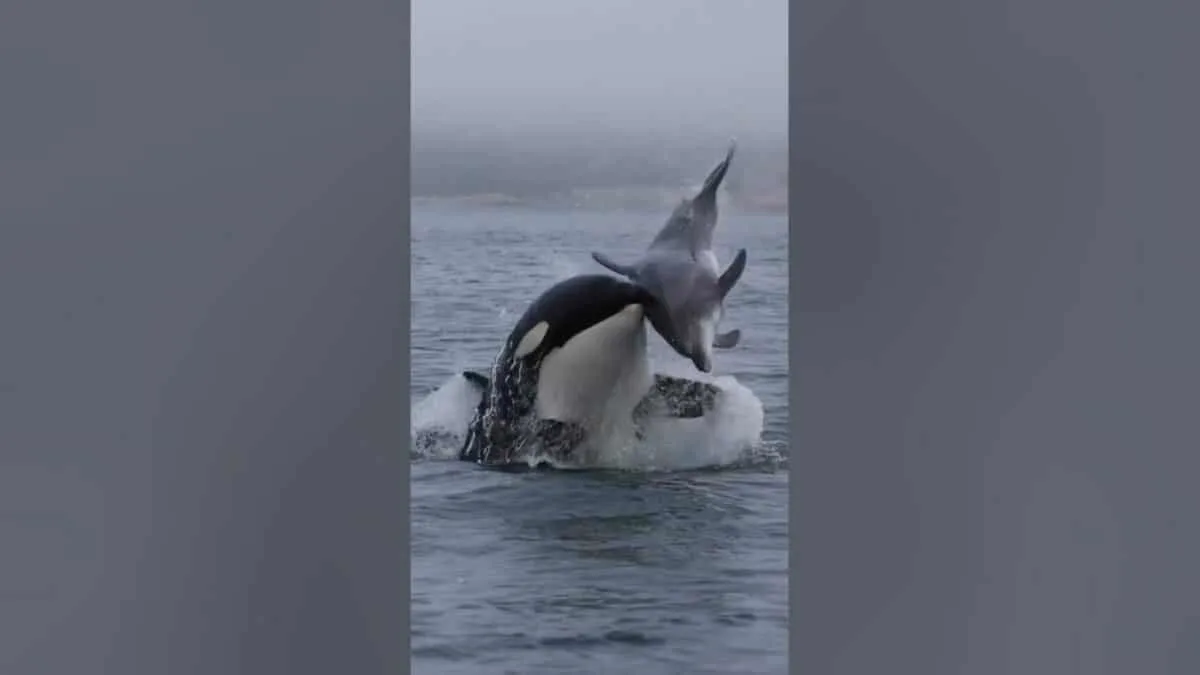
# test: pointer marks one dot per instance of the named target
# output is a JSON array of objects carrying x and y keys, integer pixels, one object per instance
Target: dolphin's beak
[{"x": 662, "y": 322}]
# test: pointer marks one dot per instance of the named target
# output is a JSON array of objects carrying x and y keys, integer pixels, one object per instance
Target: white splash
[
  {"x": 439, "y": 421},
  {"x": 726, "y": 436}
]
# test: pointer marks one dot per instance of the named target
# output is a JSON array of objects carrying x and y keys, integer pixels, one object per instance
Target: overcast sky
[{"x": 711, "y": 65}]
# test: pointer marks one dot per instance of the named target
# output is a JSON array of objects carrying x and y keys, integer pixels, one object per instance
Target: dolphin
[{"x": 680, "y": 271}]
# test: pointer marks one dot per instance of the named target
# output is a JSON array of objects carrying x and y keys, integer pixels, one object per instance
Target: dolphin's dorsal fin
[
  {"x": 727, "y": 340},
  {"x": 624, "y": 270},
  {"x": 732, "y": 273}
]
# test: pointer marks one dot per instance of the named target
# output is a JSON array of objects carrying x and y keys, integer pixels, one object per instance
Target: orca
[
  {"x": 574, "y": 364},
  {"x": 680, "y": 271}
]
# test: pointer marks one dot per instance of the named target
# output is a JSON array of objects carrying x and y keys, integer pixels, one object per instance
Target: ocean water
[{"x": 673, "y": 558}]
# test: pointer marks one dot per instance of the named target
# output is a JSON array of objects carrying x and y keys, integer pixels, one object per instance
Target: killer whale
[
  {"x": 574, "y": 363},
  {"x": 680, "y": 271}
]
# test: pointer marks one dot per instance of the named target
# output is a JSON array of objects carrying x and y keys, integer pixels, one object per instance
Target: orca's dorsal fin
[
  {"x": 732, "y": 273},
  {"x": 727, "y": 340},
  {"x": 624, "y": 270},
  {"x": 472, "y": 377}
]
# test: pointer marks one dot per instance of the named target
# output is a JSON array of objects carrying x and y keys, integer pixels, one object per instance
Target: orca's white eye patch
[{"x": 531, "y": 340}]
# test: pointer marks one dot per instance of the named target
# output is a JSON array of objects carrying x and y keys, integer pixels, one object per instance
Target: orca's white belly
[{"x": 600, "y": 373}]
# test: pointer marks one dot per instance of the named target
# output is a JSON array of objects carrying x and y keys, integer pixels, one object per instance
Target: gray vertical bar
[
  {"x": 204, "y": 354},
  {"x": 993, "y": 337}
]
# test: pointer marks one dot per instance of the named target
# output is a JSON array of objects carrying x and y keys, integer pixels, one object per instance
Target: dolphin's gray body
[{"x": 680, "y": 271}]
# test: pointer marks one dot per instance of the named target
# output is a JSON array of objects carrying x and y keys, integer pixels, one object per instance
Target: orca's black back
[
  {"x": 572, "y": 306},
  {"x": 568, "y": 307}
]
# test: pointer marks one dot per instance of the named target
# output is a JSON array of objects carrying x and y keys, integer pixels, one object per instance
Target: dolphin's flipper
[
  {"x": 676, "y": 397},
  {"x": 480, "y": 382},
  {"x": 732, "y": 274},
  {"x": 727, "y": 340},
  {"x": 623, "y": 270}
]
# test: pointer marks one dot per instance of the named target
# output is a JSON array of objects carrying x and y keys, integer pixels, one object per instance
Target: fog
[
  {"x": 633, "y": 65},
  {"x": 530, "y": 96}
]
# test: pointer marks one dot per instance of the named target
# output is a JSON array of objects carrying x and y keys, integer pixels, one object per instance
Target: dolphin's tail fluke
[
  {"x": 708, "y": 192},
  {"x": 691, "y": 224}
]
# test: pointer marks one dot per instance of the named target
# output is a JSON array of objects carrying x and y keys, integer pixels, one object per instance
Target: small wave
[{"x": 729, "y": 437}]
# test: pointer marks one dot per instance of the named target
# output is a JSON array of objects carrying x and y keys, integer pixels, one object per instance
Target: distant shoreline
[
  {"x": 600, "y": 201},
  {"x": 598, "y": 172}
]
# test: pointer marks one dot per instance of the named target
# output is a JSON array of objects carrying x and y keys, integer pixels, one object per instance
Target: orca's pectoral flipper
[
  {"x": 727, "y": 340},
  {"x": 474, "y": 378},
  {"x": 624, "y": 270},
  {"x": 732, "y": 274},
  {"x": 677, "y": 397}
]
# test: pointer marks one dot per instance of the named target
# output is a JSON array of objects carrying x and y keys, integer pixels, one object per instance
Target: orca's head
[{"x": 568, "y": 309}]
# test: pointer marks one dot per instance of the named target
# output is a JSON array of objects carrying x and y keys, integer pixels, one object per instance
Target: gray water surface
[{"x": 663, "y": 571}]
